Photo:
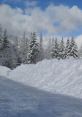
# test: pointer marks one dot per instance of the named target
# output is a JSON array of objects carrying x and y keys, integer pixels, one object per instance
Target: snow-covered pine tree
[
  {"x": 24, "y": 48},
  {"x": 15, "y": 47},
  {"x": 5, "y": 57},
  {"x": 48, "y": 49},
  {"x": 1, "y": 41},
  {"x": 9, "y": 54},
  {"x": 15, "y": 58},
  {"x": 55, "y": 49},
  {"x": 80, "y": 52},
  {"x": 73, "y": 49},
  {"x": 16, "y": 42},
  {"x": 33, "y": 49},
  {"x": 67, "y": 49},
  {"x": 5, "y": 40},
  {"x": 41, "y": 50},
  {"x": 0, "y": 44},
  {"x": 62, "y": 49}
]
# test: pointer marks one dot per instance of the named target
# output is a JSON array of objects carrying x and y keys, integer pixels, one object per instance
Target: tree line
[
  {"x": 30, "y": 50},
  {"x": 60, "y": 50}
]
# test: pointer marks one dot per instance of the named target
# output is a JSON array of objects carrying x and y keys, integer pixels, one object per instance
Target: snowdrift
[
  {"x": 64, "y": 76},
  {"x": 18, "y": 100},
  {"x": 4, "y": 71}
]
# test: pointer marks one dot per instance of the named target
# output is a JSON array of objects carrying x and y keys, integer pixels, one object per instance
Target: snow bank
[
  {"x": 17, "y": 100},
  {"x": 4, "y": 71},
  {"x": 64, "y": 76}
]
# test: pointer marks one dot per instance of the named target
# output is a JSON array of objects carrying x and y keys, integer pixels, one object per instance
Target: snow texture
[
  {"x": 18, "y": 100},
  {"x": 64, "y": 76},
  {"x": 4, "y": 71},
  {"x": 50, "y": 88}
]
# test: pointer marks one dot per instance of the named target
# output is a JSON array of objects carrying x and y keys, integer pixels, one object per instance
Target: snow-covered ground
[
  {"x": 64, "y": 76},
  {"x": 4, "y": 71},
  {"x": 18, "y": 100},
  {"x": 44, "y": 89}
]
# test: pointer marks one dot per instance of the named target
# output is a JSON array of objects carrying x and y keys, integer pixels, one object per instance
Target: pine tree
[
  {"x": 73, "y": 49},
  {"x": 16, "y": 42},
  {"x": 6, "y": 51},
  {"x": 1, "y": 41},
  {"x": 80, "y": 52},
  {"x": 62, "y": 50},
  {"x": 33, "y": 50},
  {"x": 41, "y": 50},
  {"x": 55, "y": 49},
  {"x": 24, "y": 49},
  {"x": 67, "y": 49},
  {"x": 49, "y": 49},
  {"x": 5, "y": 40}
]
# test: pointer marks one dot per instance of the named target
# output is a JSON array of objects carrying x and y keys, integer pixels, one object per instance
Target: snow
[
  {"x": 18, "y": 100},
  {"x": 64, "y": 76},
  {"x": 56, "y": 76},
  {"x": 4, "y": 71},
  {"x": 49, "y": 88}
]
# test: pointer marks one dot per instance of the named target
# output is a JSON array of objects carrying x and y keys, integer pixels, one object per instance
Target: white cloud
[
  {"x": 79, "y": 40},
  {"x": 54, "y": 19},
  {"x": 18, "y": 22},
  {"x": 68, "y": 18}
]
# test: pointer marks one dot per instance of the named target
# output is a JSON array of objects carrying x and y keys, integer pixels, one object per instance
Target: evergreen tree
[
  {"x": 5, "y": 40},
  {"x": 55, "y": 49},
  {"x": 1, "y": 41},
  {"x": 5, "y": 56},
  {"x": 16, "y": 42},
  {"x": 33, "y": 49},
  {"x": 24, "y": 49},
  {"x": 41, "y": 50},
  {"x": 80, "y": 52},
  {"x": 73, "y": 49},
  {"x": 49, "y": 49},
  {"x": 62, "y": 50},
  {"x": 67, "y": 49},
  {"x": 8, "y": 53}
]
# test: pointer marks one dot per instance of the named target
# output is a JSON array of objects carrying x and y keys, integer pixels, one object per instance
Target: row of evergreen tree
[
  {"x": 30, "y": 50},
  {"x": 63, "y": 51},
  {"x": 8, "y": 52}
]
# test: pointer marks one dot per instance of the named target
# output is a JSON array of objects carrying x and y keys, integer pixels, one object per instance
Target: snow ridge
[{"x": 63, "y": 77}]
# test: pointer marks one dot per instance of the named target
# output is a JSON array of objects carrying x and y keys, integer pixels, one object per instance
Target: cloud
[
  {"x": 68, "y": 18},
  {"x": 16, "y": 21},
  {"x": 53, "y": 20},
  {"x": 79, "y": 40}
]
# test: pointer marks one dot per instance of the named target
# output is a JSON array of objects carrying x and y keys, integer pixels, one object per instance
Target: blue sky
[
  {"x": 54, "y": 16},
  {"x": 43, "y": 3}
]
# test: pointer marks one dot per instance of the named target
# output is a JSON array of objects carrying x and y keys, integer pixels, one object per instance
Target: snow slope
[
  {"x": 63, "y": 77},
  {"x": 53, "y": 81},
  {"x": 18, "y": 100},
  {"x": 4, "y": 71}
]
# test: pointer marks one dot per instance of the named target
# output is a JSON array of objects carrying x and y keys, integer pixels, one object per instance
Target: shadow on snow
[{"x": 18, "y": 100}]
